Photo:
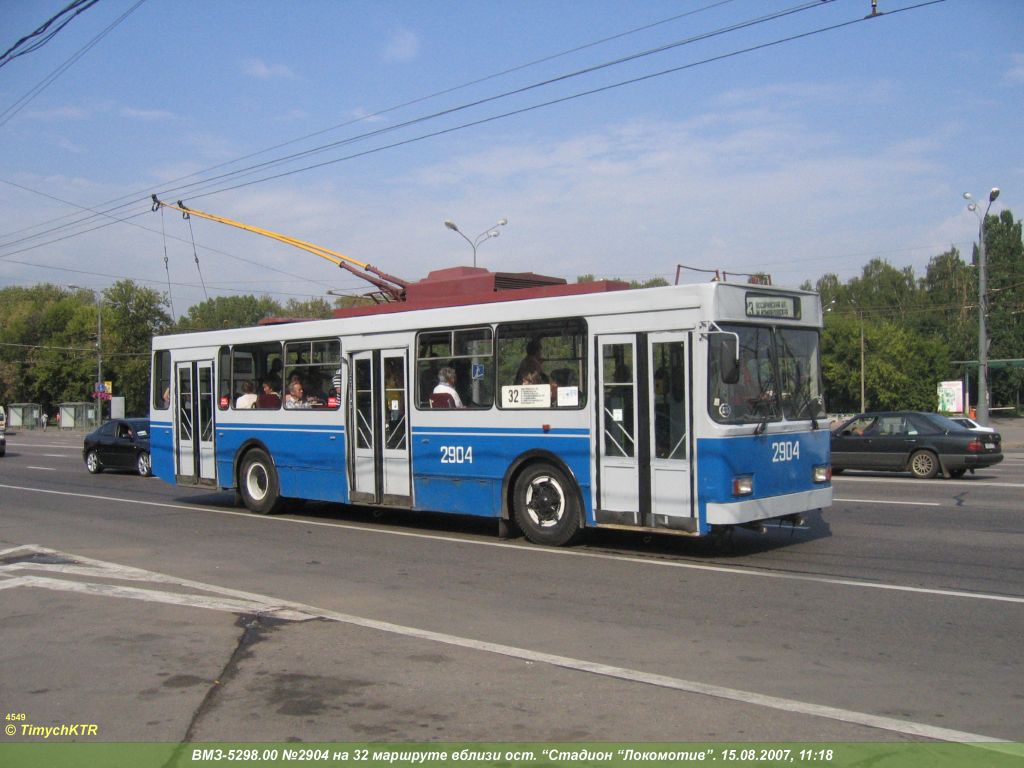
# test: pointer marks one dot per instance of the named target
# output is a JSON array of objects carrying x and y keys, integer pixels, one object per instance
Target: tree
[
  {"x": 132, "y": 316},
  {"x": 228, "y": 312}
]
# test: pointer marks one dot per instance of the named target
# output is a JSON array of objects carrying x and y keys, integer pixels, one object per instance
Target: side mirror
[{"x": 726, "y": 349}]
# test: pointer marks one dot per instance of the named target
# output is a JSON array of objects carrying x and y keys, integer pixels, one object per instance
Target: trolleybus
[{"x": 683, "y": 409}]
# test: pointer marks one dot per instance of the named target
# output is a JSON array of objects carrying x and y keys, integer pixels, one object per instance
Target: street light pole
[
  {"x": 475, "y": 243},
  {"x": 982, "y": 413},
  {"x": 99, "y": 350}
]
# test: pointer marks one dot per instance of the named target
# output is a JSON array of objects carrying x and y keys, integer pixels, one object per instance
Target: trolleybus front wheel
[
  {"x": 546, "y": 505},
  {"x": 257, "y": 482}
]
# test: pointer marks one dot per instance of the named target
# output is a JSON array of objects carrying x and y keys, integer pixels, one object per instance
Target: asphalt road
[{"x": 162, "y": 614}]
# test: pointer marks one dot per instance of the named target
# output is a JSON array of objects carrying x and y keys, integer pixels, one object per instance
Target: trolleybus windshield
[{"x": 779, "y": 377}]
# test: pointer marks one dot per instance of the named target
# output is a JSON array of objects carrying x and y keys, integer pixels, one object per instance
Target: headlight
[
  {"x": 822, "y": 473},
  {"x": 742, "y": 485}
]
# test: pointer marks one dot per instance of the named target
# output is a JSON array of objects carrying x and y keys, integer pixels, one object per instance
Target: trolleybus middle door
[{"x": 644, "y": 454}]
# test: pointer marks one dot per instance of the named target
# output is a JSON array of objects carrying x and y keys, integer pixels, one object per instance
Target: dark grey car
[
  {"x": 923, "y": 444},
  {"x": 119, "y": 444}
]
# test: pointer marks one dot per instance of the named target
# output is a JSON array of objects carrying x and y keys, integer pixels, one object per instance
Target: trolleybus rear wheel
[
  {"x": 257, "y": 482},
  {"x": 546, "y": 505}
]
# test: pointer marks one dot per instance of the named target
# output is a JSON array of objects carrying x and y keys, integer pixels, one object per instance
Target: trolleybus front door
[
  {"x": 644, "y": 454},
  {"x": 194, "y": 456},
  {"x": 379, "y": 428}
]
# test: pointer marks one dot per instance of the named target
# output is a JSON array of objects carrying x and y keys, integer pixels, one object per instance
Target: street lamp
[
  {"x": 475, "y": 243},
  {"x": 982, "y": 413},
  {"x": 99, "y": 349}
]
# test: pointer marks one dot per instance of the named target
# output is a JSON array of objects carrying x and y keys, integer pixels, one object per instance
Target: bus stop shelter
[
  {"x": 23, "y": 415},
  {"x": 76, "y": 415}
]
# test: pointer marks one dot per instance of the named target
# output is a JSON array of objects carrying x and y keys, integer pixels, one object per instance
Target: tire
[
  {"x": 92, "y": 462},
  {"x": 924, "y": 465},
  {"x": 546, "y": 505},
  {"x": 957, "y": 473},
  {"x": 144, "y": 464},
  {"x": 258, "y": 484}
]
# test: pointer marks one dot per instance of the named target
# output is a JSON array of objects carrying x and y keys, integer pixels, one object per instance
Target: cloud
[
  {"x": 260, "y": 69},
  {"x": 147, "y": 115},
  {"x": 58, "y": 114},
  {"x": 1015, "y": 74},
  {"x": 403, "y": 46}
]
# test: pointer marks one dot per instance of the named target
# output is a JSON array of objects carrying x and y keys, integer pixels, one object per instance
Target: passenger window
[
  {"x": 455, "y": 368},
  {"x": 542, "y": 364},
  {"x": 256, "y": 376},
  {"x": 162, "y": 380},
  {"x": 313, "y": 374}
]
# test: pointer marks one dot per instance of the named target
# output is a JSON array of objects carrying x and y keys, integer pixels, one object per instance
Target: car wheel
[
  {"x": 546, "y": 505},
  {"x": 258, "y": 484},
  {"x": 924, "y": 465},
  {"x": 144, "y": 464},
  {"x": 92, "y": 462}
]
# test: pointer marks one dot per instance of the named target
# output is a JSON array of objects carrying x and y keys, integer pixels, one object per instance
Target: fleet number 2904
[
  {"x": 456, "y": 454},
  {"x": 785, "y": 450}
]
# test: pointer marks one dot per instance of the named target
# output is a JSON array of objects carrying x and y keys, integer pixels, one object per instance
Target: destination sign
[{"x": 764, "y": 305}]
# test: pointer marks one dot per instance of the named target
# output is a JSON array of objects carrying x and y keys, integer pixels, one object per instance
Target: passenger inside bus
[
  {"x": 533, "y": 363},
  {"x": 269, "y": 398},
  {"x": 297, "y": 398},
  {"x": 248, "y": 398},
  {"x": 445, "y": 395}
]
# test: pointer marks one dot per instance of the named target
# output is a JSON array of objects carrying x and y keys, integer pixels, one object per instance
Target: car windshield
[{"x": 780, "y": 376}]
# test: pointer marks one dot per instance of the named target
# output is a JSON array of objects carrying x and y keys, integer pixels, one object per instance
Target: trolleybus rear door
[
  {"x": 195, "y": 459},
  {"x": 379, "y": 428}
]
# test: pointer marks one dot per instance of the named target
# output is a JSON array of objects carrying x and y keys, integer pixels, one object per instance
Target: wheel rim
[
  {"x": 257, "y": 482},
  {"x": 545, "y": 501},
  {"x": 91, "y": 461},
  {"x": 923, "y": 464},
  {"x": 143, "y": 464}
]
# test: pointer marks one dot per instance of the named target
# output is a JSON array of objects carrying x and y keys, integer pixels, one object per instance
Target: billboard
[{"x": 951, "y": 397}]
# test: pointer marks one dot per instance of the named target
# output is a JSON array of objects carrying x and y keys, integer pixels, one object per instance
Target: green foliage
[
  {"x": 228, "y": 312},
  {"x": 915, "y": 328}
]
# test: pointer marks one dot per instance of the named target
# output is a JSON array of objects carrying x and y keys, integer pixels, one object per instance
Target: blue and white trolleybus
[{"x": 554, "y": 407}]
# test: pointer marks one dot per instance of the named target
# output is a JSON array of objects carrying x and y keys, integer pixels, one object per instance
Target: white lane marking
[
  {"x": 546, "y": 551},
  {"x": 156, "y": 596},
  {"x": 886, "y": 501},
  {"x": 299, "y": 611},
  {"x": 42, "y": 469},
  {"x": 937, "y": 484}
]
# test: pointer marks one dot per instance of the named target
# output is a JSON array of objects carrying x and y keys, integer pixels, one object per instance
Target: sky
[{"x": 617, "y": 139}]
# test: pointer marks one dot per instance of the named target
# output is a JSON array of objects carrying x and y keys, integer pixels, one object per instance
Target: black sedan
[
  {"x": 119, "y": 444},
  {"x": 923, "y": 444}
]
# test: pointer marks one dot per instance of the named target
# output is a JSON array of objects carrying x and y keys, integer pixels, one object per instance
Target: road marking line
[
  {"x": 42, "y": 469},
  {"x": 547, "y": 551},
  {"x": 300, "y": 612},
  {"x": 886, "y": 501}
]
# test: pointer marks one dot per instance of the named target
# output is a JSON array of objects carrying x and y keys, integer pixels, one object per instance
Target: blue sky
[{"x": 801, "y": 158}]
